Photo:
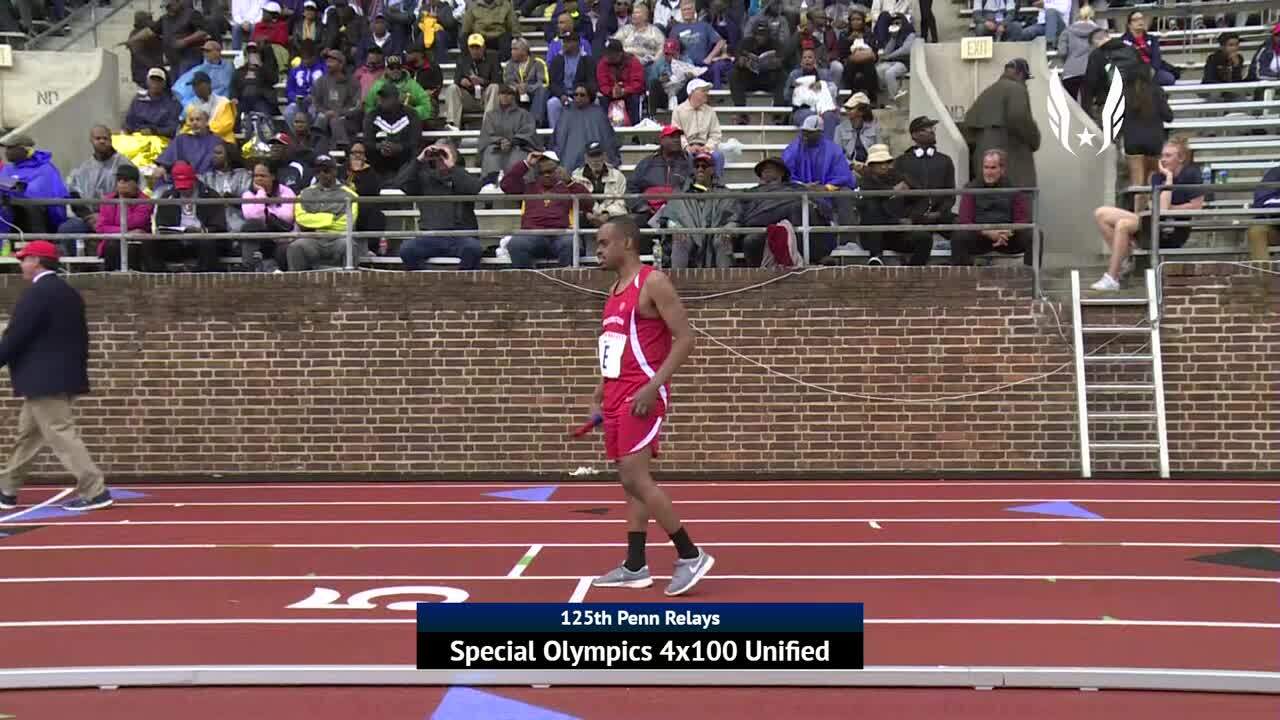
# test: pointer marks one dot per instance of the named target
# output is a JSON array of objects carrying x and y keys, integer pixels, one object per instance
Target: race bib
[{"x": 612, "y": 345}]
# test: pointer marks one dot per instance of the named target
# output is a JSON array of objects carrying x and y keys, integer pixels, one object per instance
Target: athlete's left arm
[{"x": 672, "y": 311}]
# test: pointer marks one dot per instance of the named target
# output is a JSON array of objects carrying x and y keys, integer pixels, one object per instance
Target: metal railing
[
  {"x": 1202, "y": 218},
  {"x": 580, "y": 202},
  {"x": 1189, "y": 9}
]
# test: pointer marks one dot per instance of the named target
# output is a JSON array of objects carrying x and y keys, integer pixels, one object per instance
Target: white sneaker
[{"x": 1106, "y": 283}]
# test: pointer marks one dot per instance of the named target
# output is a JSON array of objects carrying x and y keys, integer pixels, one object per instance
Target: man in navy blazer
[{"x": 46, "y": 346}]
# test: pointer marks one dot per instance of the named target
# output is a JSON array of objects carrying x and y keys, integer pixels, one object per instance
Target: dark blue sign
[{"x": 631, "y": 618}]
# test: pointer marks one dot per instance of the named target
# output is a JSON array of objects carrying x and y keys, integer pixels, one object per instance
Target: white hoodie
[{"x": 246, "y": 11}]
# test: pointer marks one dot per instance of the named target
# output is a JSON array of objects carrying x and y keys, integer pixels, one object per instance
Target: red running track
[
  {"x": 198, "y": 574},
  {"x": 391, "y": 703}
]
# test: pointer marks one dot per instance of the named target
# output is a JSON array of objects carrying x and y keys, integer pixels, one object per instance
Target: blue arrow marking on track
[
  {"x": 464, "y": 703},
  {"x": 534, "y": 494},
  {"x": 1062, "y": 508}
]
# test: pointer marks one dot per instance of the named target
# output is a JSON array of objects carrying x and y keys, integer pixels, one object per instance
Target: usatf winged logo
[{"x": 1058, "y": 106}]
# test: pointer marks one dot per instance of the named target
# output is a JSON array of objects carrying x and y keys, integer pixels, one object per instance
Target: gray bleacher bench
[
  {"x": 1223, "y": 123},
  {"x": 1270, "y": 142},
  {"x": 1263, "y": 165},
  {"x": 1195, "y": 86},
  {"x": 1243, "y": 106}
]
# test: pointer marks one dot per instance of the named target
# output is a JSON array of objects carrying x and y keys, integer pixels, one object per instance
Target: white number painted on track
[{"x": 328, "y": 599}]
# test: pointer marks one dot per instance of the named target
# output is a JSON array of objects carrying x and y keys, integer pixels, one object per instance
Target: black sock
[
  {"x": 684, "y": 546},
  {"x": 635, "y": 551}
]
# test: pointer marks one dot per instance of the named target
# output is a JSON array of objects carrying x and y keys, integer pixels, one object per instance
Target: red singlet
[{"x": 631, "y": 349}]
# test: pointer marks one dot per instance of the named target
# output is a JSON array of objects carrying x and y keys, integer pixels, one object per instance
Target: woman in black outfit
[
  {"x": 859, "y": 53},
  {"x": 362, "y": 178},
  {"x": 1146, "y": 111}
]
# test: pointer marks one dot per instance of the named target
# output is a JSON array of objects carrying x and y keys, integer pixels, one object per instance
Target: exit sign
[{"x": 976, "y": 48}]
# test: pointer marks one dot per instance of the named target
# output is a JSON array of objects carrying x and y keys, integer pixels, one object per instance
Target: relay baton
[{"x": 588, "y": 426}]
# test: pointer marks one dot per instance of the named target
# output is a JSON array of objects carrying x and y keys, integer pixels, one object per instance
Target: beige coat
[
  {"x": 615, "y": 184},
  {"x": 699, "y": 126}
]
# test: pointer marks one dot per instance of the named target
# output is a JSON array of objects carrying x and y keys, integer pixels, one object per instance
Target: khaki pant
[
  {"x": 457, "y": 100},
  {"x": 48, "y": 421},
  {"x": 1260, "y": 237}
]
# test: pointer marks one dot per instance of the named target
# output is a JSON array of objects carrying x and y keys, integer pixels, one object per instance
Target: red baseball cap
[
  {"x": 40, "y": 249},
  {"x": 184, "y": 176},
  {"x": 670, "y": 130}
]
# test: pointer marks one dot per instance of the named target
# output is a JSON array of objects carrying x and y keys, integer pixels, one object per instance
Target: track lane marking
[
  {"x": 51, "y": 500},
  {"x": 1069, "y": 622},
  {"x": 581, "y": 589},
  {"x": 728, "y": 543},
  {"x": 706, "y": 501},
  {"x": 619, "y": 521},
  {"x": 523, "y": 563},
  {"x": 533, "y": 578}
]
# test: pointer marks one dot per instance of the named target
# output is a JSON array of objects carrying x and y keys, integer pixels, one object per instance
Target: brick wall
[{"x": 481, "y": 374}]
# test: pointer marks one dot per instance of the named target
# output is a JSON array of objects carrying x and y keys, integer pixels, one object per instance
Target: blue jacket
[
  {"x": 823, "y": 163},
  {"x": 43, "y": 181},
  {"x": 219, "y": 80},
  {"x": 46, "y": 344},
  {"x": 161, "y": 115}
]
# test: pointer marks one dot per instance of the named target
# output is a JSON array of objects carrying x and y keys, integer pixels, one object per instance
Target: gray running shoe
[
  {"x": 622, "y": 577},
  {"x": 687, "y": 573}
]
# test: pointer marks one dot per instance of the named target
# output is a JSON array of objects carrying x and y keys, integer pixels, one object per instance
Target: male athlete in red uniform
[{"x": 644, "y": 338}]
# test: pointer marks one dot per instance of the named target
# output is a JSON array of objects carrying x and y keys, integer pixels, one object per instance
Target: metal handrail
[{"x": 806, "y": 230}]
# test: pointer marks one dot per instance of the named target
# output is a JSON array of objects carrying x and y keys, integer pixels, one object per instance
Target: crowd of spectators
[
  {"x": 354, "y": 84},
  {"x": 362, "y": 82}
]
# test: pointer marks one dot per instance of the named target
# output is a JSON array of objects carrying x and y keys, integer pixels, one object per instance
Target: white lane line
[
  {"x": 268, "y": 485},
  {"x": 619, "y": 521},
  {"x": 1072, "y": 622},
  {"x": 581, "y": 589},
  {"x": 518, "y": 569},
  {"x": 727, "y": 543},
  {"x": 37, "y": 506},
  {"x": 529, "y": 578},
  {"x": 704, "y": 501}
]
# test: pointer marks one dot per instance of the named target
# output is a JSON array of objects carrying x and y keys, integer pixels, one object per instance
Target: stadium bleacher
[{"x": 1233, "y": 140}]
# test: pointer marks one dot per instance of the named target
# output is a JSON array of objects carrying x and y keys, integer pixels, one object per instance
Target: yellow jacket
[
  {"x": 222, "y": 116},
  {"x": 321, "y": 209}
]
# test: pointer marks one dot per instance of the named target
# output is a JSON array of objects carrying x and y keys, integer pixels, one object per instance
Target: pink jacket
[
  {"x": 258, "y": 211},
  {"x": 139, "y": 218}
]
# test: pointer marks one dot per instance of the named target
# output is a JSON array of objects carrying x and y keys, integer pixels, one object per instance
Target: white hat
[
  {"x": 856, "y": 99},
  {"x": 271, "y": 7},
  {"x": 879, "y": 154},
  {"x": 697, "y": 84},
  {"x": 550, "y": 155},
  {"x": 812, "y": 123}
]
